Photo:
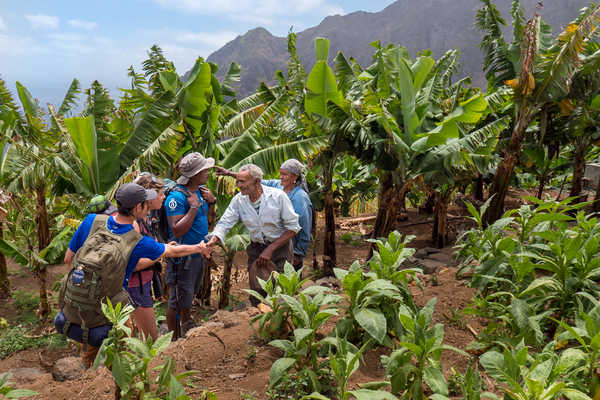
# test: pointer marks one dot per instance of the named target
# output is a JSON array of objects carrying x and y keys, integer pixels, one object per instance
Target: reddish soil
[{"x": 230, "y": 370}]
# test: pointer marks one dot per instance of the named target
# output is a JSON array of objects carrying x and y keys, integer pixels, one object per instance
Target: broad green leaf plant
[{"x": 129, "y": 360}]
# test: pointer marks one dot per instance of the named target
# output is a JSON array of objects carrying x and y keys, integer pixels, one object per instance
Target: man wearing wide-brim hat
[{"x": 187, "y": 207}]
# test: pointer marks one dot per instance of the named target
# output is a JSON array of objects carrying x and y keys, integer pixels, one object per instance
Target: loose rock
[
  {"x": 25, "y": 374},
  {"x": 431, "y": 250},
  {"x": 67, "y": 369},
  {"x": 228, "y": 318},
  {"x": 441, "y": 257},
  {"x": 328, "y": 281},
  {"x": 236, "y": 376},
  {"x": 430, "y": 266}
]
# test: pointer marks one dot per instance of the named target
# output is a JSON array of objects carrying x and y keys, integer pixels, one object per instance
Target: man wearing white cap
[{"x": 187, "y": 209}]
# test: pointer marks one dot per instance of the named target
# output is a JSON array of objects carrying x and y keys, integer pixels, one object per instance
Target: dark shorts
[
  {"x": 184, "y": 279},
  {"x": 141, "y": 296}
]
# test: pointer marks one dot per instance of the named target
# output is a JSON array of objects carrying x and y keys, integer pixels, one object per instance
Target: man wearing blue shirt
[
  {"x": 292, "y": 182},
  {"x": 131, "y": 204},
  {"x": 187, "y": 208}
]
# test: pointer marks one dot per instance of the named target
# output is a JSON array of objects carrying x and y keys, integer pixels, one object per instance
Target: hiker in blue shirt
[
  {"x": 187, "y": 208},
  {"x": 291, "y": 180},
  {"x": 131, "y": 204}
]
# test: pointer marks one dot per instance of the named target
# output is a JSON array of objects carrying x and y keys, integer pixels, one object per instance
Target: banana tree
[
  {"x": 30, "y": 162},
  {"x": 274, "y": 125},
  {"x": 538, "y": 70},
  {"x": 452, "y": 153},
  {"x": 583, "y": 109}
]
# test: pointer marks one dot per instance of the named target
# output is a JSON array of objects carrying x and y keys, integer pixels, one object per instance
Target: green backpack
[{"x": 101, "y": 262}]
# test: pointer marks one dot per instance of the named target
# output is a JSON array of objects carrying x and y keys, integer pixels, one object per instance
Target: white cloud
[
  {"x": 2, "y": 25},
  {"x": 41, "y": 21},
  {"x": 81, "y": 24},
  {"x": 183, "y": 47},
  {"x": 213, "y": 39},
  {"x": 264, "y": 12}
]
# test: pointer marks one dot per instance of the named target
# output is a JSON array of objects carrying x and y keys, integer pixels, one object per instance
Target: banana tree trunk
[
  {"x": 440, "y": 219},
  {"x": 507, "y": 165},
  {"x": 578, "y": 170},
  {"x": 542, "y": 186},
  {"x": 43, "y": 236},
  {"x": 329, "y": 253},
  {"x": 206, "y": 285},
  {"x": 226, "y": 281},
  {"x": 478, "y": 188},
  {"x": 4, "y": 282},
  {"x": 391, "y": 202},
  {"x": 428, "y": 205}
]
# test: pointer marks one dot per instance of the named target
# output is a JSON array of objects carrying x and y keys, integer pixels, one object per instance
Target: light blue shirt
[
  {"x": 303, "y": 207},
  {"x": 275, "y": 216}
]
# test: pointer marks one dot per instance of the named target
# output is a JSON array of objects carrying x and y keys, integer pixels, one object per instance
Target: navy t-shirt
[
  {"x": 146, "y": 247},
  {"x": 176, "y": 204}
]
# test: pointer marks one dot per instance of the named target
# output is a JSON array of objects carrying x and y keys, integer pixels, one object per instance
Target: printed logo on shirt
[{"x": 172, "y": 204}]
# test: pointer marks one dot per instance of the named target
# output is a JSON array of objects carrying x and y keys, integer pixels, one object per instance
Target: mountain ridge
[{"x": 438, "y": 25}]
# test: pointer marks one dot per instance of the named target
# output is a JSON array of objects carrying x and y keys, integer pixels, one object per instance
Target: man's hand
[
  {"x": 265, "y": 258},
  {"x": 204, "y": 249},
  {"x": 212, "y": 242},
  {"x": 223, "y": 171},
  {"x": 193, "y": 201},
  {"x": 207, "y": 195}
]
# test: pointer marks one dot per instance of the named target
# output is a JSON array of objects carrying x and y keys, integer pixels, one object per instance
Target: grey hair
[{"x": 253, "y": 170}]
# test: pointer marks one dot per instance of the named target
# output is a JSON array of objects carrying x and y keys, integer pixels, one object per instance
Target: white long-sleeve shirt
[{"x": 275, "y": 216}]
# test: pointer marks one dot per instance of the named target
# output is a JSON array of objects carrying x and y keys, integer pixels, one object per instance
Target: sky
[{"x": 44, "y": 44}]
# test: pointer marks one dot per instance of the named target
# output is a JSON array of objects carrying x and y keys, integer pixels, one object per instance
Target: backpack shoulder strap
[
  {"x": 99, "y": 222},
  {"x": 130, "y": 240}
]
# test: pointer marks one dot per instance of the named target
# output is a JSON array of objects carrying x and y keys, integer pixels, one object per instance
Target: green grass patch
[{"x": 14, "y": 339}]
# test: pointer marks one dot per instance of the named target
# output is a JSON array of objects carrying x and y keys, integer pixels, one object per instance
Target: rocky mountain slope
[{"x": 435, "y": 24}]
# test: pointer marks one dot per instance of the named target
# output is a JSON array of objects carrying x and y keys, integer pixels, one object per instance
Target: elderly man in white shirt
[{"x": 268, "y": 215}]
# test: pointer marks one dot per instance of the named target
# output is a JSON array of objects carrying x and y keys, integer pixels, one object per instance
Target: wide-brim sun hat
[{"x": 191, "y": 165}]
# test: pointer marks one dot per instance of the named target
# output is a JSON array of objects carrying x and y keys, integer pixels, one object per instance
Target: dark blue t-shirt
[
  {"x": 176, "y": 204},
  {"x": 146, "y": 248}
]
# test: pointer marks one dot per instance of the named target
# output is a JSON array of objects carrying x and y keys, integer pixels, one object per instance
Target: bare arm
[
  {"x": 181, "y": 224},
  {"x": 224, "y": 172},
  {"x": 187, "y": 249},
  {"x": 69, "y": 256}
]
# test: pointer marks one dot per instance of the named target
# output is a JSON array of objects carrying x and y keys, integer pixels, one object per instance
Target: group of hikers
[{"x": 117, "y": 252}]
